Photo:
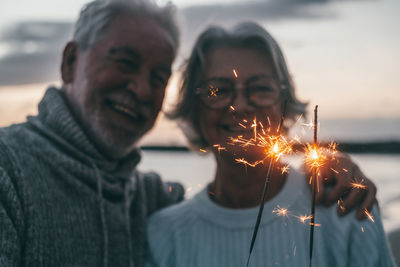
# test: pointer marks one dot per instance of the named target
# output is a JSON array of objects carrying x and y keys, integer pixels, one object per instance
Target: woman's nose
[{"x": 240, "y": 101}]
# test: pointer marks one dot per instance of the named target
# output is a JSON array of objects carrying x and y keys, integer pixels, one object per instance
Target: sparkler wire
[
  {"x": 270, "y": 167},
  {"x": 314, "y": 181},
  {"x": 260, "y": 211}
]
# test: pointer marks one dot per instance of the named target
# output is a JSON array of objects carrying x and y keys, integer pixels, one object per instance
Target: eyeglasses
[{"x": 220, "y": 93}]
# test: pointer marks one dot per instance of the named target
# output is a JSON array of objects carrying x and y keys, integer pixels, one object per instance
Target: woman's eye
[
  {"x": 217, "y": 91},
  {"x": 261, "y": 89}
]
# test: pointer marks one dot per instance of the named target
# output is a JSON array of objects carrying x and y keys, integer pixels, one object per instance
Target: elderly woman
[{"x": 233, "y": 77}]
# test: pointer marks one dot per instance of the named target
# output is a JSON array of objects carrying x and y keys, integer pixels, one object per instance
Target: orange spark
[
  {"x": 340, "y": 205},
  {"x": 358, "y": 185},
  {"x": 280, "y": 211},
  {"x": 219, "y": 148},
  {"x": 245, "y": 162},
  {"x": 212, "y": 90},
  {"x": 314, "y": 156},
  {"x": 334, "y": 170},
  {"x": 232, "y": 108},
  {"x": 235, "y": 73},
  {"x": 203, "y": 150},
  {"x": 285, "y": 169},
  {"x": 369, "y": 215},
  {"x": 304, "y": 218},
  {"x": 170, "y": 189}
]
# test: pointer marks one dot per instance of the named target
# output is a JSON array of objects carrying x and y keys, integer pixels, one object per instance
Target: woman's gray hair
[
  {"x": 247, "y": 34},
  {"x": 96, "y": 16}
]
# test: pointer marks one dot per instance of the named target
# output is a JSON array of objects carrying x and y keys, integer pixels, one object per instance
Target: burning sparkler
[
  {"x": 314, "y": 160},
  {"x": 274, "y": 147}
]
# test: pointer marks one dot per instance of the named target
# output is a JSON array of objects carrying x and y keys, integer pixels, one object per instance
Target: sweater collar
[
  {"x": 58, "y": 124},
  {"x": 245, "y": 218}
]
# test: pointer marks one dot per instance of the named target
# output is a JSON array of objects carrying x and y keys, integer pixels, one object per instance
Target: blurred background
[{"x": 344, "y": 56}]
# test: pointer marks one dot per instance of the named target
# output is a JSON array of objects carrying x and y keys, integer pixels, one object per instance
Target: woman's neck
[{"x": 239, "y": 186}]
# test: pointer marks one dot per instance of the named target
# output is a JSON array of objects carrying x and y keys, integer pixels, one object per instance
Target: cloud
[
  {"x": 33, "y": 49},
  {"x": 197, "y": 17},
  {"x": 33, "y": 52}
]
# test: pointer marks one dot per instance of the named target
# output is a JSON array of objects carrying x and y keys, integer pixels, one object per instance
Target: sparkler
[
  {"x": 314, "y": 163},
  {"x": 274, "y": 153}
]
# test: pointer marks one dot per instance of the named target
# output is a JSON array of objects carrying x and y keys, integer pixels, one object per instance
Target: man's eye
[{"x": 127, "y": 64}]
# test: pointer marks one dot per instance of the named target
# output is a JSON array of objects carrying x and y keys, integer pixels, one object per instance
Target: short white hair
[{"x": 97, "y": 15}]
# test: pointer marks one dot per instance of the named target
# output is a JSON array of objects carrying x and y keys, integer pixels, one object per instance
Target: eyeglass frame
[{"x": 282, "y": 89}]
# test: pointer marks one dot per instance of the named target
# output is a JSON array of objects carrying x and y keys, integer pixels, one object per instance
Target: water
[{"x": 195, "y": 170}]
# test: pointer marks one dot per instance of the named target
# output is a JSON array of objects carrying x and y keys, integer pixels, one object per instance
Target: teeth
[{"x": 125, "y": 110}]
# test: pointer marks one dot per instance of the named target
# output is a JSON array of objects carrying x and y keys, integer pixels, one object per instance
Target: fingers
[
  {"x": 339, "y": 191},
  {"x": 369, "y": 200},
  {"x": 351, "y": 201},
  {"x": 350, "y": 186}
]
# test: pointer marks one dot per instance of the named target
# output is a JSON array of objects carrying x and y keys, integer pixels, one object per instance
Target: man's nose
[{"x": 140, "y": 85}]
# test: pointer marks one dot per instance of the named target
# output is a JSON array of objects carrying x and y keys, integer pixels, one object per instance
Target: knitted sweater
[
  {"x": 63, "y": 204},
  {"x": 198, "y": 232}
]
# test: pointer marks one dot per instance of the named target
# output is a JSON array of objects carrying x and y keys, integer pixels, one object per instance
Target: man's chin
[{"x": 117, "y": 144}]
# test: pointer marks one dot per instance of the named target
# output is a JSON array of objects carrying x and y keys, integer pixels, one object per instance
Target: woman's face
[{"x": 256, "y": 95}]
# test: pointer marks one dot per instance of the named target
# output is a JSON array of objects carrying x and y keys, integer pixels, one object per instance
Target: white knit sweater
[{"x": 200, "y": 233}]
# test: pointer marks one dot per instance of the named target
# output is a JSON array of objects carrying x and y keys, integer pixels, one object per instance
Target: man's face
[{"x": 118, "y": 85}]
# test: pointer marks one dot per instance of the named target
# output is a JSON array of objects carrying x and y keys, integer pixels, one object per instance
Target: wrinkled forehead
[{"x": 237, "y": 61}]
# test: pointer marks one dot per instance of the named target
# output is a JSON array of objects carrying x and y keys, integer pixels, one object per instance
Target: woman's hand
[{"x": 350, "y": 188}]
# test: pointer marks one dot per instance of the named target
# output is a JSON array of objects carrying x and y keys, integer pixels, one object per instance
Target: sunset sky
[{"x": 344, "y": 55}]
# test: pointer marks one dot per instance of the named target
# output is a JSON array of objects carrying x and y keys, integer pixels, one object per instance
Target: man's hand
[{"x": 350, "y": 188}]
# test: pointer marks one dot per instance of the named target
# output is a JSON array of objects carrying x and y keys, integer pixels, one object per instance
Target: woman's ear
[{"x": 68, "y": 63}]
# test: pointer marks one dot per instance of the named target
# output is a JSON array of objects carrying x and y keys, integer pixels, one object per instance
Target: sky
[{"x": 343, "y": 55}]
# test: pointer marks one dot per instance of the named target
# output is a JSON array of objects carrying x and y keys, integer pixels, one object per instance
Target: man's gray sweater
[{"x": 63, "y": 204}]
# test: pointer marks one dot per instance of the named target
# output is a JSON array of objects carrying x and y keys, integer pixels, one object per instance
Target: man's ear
[{"x": 68, "y": 63}]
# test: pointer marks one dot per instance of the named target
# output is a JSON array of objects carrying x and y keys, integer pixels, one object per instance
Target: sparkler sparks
[
  {"x": 245, "y": 162},
  {"x": 274, "y": 150},
  {"x": 358, "y": 185},
  {"x": 304, "y": 218},
  {"x": 219, "y": 148},
  {"x": 315, "y": 156},
  {"x": 369, "y": 215},
  {"x": 235, "y": 73},
  {"x": 314, "y": 159},
  {"x": 280, "y": 211},
  {"x": 340, "y": 205},
  {"x": 285, "y": 169},
  {"x": 212, "y": 91}
]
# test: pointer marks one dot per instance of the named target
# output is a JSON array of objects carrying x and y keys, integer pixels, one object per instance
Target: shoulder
[
  {"x": 167, "y": 229},
  {"x": 173, "y": 218},
  {"x": 158, "y": 194}
]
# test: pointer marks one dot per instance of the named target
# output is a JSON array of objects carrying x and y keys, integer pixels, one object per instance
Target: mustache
[{"x": 128, "y": 99}]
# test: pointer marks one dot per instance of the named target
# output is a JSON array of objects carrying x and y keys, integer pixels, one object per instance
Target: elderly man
[{"x": 69, "y": 191}]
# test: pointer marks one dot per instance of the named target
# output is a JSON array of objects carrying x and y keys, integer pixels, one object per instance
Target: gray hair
[
  {"x": 247, "y": 34},
  {"x": 96, "y": 16}
]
